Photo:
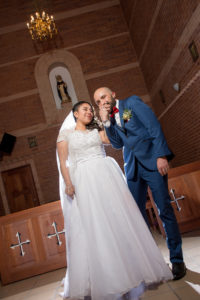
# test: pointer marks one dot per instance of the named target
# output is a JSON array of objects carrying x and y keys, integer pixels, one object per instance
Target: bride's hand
[{"x": 70, "y": 191}]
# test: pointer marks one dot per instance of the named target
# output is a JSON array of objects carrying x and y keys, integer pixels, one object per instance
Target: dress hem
[{"x": 144, "y": 285}]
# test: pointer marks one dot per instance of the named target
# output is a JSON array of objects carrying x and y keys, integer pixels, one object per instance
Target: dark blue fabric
[
  {"x": 141, "y": 136},
  {"x": 143, "y": 142}
]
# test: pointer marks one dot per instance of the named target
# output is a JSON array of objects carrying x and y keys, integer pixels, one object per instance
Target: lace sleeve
[{"x": 63, "y": 136}]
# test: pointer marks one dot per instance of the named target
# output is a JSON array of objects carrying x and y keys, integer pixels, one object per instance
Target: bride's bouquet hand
[{"x": 70, "y": 191}]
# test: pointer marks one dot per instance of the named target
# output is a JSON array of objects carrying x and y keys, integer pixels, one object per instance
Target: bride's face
[{"x": 84, "y": 113}]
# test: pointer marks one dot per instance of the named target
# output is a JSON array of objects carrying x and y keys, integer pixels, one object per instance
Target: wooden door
[{"x": 20, "y": 188}]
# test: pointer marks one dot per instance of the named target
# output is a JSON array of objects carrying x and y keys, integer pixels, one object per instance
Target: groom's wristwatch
[{"x": 106, "y": 123}]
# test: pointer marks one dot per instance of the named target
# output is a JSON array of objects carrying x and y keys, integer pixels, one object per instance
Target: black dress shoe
[{"x": 178, "y": 270}]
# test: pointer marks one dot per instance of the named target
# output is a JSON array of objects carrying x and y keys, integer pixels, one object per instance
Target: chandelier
[{"x": 42, "y": 27}]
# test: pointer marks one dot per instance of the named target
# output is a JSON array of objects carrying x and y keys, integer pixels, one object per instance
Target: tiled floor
[{"x": 47, "y": 286}]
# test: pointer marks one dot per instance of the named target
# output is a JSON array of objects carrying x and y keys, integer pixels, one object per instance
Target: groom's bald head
[
  {"x": 101, "y": 90},
  {"x": 104, "y": 96}
]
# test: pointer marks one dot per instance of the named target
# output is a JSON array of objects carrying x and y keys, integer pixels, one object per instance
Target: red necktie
[{"x": 114, "y": 111}]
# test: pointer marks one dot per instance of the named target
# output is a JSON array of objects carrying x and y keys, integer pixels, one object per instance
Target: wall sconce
[{"x": 176, "y": 87}]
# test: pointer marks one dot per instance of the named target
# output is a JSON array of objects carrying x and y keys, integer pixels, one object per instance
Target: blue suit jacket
[{"x": 141, "y": 137}]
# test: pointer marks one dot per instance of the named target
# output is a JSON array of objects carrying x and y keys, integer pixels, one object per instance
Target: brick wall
[
  {"x": 21, "y": 113},
  {"x": 141, "y": 19},
  {"x": 183, "y": 70},
  {"x": 124, "y": 83},
  {"x": 170, "y": 23},
  {"x": 19, "y": 12},
  {"x": 17, "y": 77},
  {"x": 128, "y": 7},
  {"x": 96, "y": 33},
  {"x": 99, "y": 56},
  {"x": 161, "y": 32},
  {"x": 181, "y": 125}
]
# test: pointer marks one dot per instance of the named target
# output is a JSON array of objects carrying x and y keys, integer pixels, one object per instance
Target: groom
[{"x": 130, "y": 124}]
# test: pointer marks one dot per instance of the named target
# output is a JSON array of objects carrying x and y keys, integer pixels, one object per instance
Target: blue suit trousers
[{"x": 159, "y": 187}]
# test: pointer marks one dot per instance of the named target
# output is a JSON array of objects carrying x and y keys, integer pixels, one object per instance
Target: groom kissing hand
[
  {"x": 107, "y": 108},
  {"x": 131, "y": 124}
]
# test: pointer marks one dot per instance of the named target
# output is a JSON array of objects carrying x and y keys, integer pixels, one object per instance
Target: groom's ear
[{"x": 113, "y": 94}]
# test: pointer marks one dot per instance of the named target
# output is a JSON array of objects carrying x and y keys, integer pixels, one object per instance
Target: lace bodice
[{"x": 82, "y": 145}]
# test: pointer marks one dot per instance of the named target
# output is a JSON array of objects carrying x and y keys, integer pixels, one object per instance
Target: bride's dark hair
[{"x": 95, "y": 123}]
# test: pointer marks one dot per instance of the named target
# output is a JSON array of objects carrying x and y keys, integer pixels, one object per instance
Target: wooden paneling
[
  {"x": 185, "y": 181},
  {"x": 40, "y": 252}
]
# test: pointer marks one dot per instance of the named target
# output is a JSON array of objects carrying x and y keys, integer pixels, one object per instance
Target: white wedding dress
[{"x": 110, "y": 248}]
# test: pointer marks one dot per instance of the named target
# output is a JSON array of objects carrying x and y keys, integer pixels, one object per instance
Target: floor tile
[
  {"x": 47, "y": 294},
  {"x": 164, "y": 296},
  {"x": 17, "y": 287},
  {"x": 43, "y": 288},
  {"x": 188, "y": 282},
  {"x": 17, "y": 296},
  {"x": 187, "y": 293},
  {"x": 162, "y": 288},
  {"x": 51, "y": 277}
]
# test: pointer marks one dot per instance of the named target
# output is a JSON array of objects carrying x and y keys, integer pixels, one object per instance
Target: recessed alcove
[
  {"x": 60, "y": 71},
  {"x": 45, "y": 68}
]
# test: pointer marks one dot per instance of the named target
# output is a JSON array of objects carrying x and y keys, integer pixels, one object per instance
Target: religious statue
[{"x": 62, "y": 90}]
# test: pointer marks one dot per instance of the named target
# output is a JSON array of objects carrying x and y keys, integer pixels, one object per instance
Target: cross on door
[
  {"x": 20, "y": 244},
  {"x": 176, "y": 199},
  {"x": 59, "y": 243}
]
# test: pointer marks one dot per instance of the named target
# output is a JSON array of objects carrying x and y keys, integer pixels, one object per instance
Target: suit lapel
[
  {"x": 121, "y": 119},
  {"x": 121, "y": 112}
]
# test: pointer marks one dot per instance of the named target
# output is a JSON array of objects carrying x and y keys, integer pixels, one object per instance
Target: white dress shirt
[{"x": 116, "y": 116}]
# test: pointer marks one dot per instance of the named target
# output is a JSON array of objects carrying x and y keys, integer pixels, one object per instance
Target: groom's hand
[
  {"x": 104, "y": 113},
  {"x": 162, "y": 165}
]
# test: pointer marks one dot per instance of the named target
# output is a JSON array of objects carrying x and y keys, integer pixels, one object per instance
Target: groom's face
[{"x": 105, "y": 98}]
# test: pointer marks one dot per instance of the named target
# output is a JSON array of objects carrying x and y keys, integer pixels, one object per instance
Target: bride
[{"x": 110, "y": 250}]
